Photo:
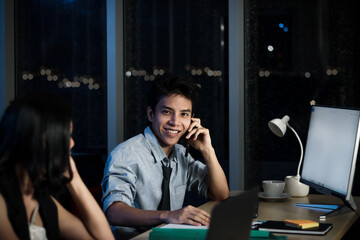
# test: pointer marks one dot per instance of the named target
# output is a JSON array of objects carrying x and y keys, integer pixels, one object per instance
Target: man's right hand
[
  {"x": 121, "y": 214},
  {"x": 188, "y": 215}
]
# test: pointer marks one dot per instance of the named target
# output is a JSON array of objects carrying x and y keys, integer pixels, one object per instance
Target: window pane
[
  {"x": 61, "y": 47},
  {"x": 297, "y": 51},
  {"x": 187, "y": 38}
]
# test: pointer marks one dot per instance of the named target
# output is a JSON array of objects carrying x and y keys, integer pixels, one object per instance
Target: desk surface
[{"x": 279, "y": 210}]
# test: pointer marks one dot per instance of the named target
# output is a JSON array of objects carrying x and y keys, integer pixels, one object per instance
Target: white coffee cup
[{"x": 273, "y": 188}]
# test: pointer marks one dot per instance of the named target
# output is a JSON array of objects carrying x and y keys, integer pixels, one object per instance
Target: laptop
[{"x": 232, "y": 218}]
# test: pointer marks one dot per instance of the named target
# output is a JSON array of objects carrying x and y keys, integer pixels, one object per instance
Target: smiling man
[{"x": 147, "y": 176}]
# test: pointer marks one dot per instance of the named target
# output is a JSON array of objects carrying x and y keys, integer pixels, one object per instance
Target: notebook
[{"x": 232, "y": 218}]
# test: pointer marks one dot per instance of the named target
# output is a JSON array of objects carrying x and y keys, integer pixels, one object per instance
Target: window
[
  {"x": 61, "y": 47},
  {"x": 296, "y": 52}
]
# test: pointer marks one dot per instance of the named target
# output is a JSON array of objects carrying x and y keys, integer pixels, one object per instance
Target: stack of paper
[{"x": 301, "y": 223}]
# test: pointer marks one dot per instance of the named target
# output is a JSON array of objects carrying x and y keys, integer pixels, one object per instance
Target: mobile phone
[
  {"x": 187, "y": 149},
  {"x": 188, "y": 145}
]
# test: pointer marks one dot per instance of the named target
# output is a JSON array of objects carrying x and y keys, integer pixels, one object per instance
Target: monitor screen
[{"x": 331, "y": 150}]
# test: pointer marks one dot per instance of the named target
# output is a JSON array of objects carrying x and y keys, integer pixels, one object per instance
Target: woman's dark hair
[
  {"x": 168, "y": 85},
  {"x": 35, "y": 134}
]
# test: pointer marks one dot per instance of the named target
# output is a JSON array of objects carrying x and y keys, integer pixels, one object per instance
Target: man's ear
[{"x": 150, "y": 113}]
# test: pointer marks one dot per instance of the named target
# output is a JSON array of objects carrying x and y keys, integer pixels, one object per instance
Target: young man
[{"x": 133, "y": 185}]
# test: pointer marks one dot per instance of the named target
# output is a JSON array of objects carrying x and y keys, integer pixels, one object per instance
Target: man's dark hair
[
  {"x": 35, "y": 134},
  {"x": 170, "y": 85}
]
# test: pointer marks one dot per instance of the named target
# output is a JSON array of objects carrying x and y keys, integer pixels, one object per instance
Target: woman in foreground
[{"x": 35, "y": 145}]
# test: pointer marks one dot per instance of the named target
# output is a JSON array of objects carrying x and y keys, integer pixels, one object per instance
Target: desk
[{"x": 279, "y": 210}]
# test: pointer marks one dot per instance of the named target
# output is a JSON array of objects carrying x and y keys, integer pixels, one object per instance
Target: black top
[{"x": 10, "y": 190}]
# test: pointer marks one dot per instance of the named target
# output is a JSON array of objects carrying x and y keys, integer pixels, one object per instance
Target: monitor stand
[
  {"x": 339, "y": 210},
  {"x": 346, "y": 207},
  {"x": 330, "y": 209}
]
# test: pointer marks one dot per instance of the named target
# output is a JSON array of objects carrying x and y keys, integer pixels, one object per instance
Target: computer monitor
[{"x": 331, "y": 151}]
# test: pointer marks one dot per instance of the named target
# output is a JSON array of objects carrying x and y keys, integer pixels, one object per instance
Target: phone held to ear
[
  {"x": 187, "y": 149},
  {"x": 188, "y": 144}
]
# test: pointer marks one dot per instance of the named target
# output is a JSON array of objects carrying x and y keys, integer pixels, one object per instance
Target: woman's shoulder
[
  {"x": 2, "y": 203},
  {"x": 6, "y": 229},
  {"x": 3, "y": 210}
]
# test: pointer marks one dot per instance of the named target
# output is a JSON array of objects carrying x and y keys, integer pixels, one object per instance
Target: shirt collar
[{"x": 156, "y": 149}]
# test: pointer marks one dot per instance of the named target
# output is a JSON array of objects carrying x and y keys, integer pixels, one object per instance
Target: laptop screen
[{"x": 232, "y": 218}]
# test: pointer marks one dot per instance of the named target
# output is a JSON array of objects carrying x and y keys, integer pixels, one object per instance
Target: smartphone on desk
[{"x": 281, "y": 227}]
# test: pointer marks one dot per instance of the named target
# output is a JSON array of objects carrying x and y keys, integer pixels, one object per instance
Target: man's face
[{"x": 170, "y": 120}]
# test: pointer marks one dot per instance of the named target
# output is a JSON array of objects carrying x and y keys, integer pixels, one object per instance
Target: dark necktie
[{"x": 165, "y": 198}]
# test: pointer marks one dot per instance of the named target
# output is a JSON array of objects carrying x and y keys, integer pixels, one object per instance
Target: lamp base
[{"x": 295, "y": 187}]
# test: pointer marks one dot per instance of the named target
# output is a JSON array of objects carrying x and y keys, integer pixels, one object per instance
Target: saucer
[{"x": 283, "y": 196}]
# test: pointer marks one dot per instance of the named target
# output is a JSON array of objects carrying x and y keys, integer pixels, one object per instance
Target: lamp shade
[{"x": 278, "y": 126}]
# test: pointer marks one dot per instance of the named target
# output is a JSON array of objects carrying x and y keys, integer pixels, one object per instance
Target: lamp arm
[{"x": 301, "y": 148}]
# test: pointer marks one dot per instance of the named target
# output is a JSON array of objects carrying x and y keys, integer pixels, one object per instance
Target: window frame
[{"x": 7, "y": 53}]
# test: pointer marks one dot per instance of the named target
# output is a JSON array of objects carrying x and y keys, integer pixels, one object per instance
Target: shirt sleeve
[
  {"x": 197, "y": 176},
  {"x": 119, "y": 179}
]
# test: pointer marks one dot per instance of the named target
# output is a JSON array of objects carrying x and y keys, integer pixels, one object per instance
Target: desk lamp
[{"x": 293, "y": 184}]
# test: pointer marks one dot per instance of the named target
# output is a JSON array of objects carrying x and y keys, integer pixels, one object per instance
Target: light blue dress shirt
[{"x": 133, "y": 174}]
